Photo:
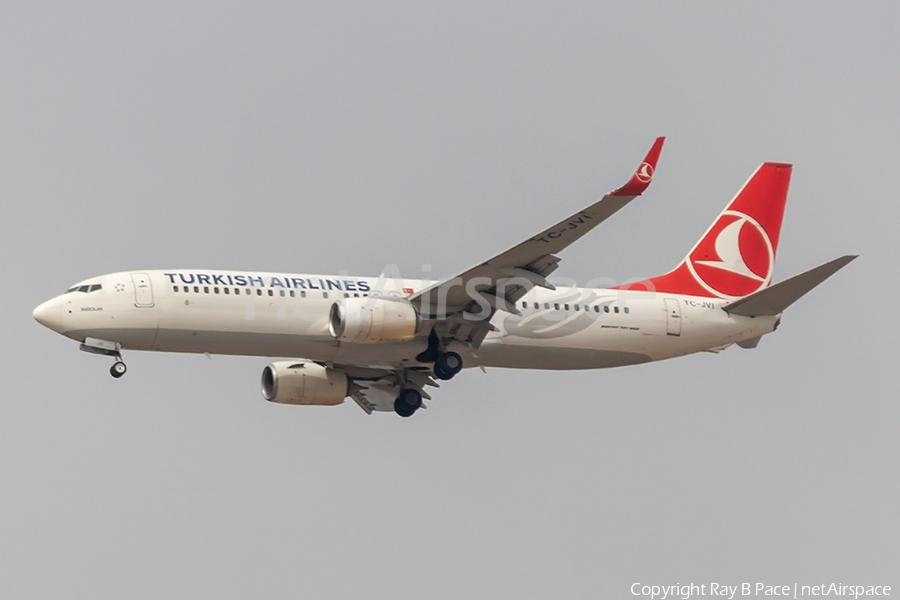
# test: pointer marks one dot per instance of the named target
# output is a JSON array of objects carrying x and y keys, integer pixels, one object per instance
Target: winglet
[{"x": 640, "y": 181}]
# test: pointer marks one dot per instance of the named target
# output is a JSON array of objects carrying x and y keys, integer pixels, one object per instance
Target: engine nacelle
[
  {"x": 304, "y": 383},
  {"x": 373, "y": 320}
]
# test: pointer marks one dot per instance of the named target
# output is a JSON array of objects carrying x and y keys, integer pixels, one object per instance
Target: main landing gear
[
  {"x": 408, "y": 402},
  {"x": 447, "y": 365}
]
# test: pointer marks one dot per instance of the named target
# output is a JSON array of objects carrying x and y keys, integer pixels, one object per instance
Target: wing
[{"x": 499, "y": 282}]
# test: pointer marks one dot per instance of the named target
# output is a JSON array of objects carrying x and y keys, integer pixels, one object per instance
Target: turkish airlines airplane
[{"x": 382, "y": 340}]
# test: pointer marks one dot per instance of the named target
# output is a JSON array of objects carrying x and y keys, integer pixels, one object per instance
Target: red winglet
[{"x": 640, "y": 181}]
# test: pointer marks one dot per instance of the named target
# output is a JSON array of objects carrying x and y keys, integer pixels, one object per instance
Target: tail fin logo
[
  {"x": 735, "y": 258},
  {"x": 644, "y": 173}
]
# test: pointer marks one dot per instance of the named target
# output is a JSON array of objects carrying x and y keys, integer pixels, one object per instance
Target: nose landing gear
[
  {"x": 118, "y": 369},
  {"x": 106, "y": 348}
]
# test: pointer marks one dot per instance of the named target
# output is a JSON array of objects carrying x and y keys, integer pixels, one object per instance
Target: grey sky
[{"x": 292, "y": 138}]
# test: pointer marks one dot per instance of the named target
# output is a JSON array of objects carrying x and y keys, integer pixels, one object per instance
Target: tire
[
  {"x": 118, "y": 369},
  {"x": 411, "y": 397},
  {"x": 402, "y": 408},
  {"x": 440, "y": 373},
  {"x": 448, "y": 364},
  {"x": 408, "y": 402}
]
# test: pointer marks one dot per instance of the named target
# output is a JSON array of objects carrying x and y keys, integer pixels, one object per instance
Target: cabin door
[
  {"x": 673, "y": 317},
  {"x": 143, "y": 290}
]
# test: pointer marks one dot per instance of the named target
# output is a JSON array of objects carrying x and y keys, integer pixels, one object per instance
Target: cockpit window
[{"x": 84, "y": 288}]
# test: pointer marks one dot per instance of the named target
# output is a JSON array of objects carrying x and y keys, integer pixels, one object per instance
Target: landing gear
[
  {"x": 106, "y": 348},
  {"x": 408, "y": 402},
  {"x": 118, "y": 369},
  {"x": 447, "y": 365}
]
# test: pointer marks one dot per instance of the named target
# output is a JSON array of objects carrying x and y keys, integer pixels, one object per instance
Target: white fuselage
[{"x": 286, "y": 315}]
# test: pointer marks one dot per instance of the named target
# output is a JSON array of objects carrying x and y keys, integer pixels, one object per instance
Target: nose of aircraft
[{"x": 50, "y": 314}]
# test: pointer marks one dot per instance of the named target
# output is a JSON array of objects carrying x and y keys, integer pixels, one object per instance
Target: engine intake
[
  {"x": 304, "y": 383},
  {"x": 373, "y": 320}
]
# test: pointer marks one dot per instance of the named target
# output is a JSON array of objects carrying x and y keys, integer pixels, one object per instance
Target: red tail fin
[{"x": 736, "y": 256}]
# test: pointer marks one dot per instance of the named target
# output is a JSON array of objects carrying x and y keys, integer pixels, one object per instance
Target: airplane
[{"x": 381, "y": 341}]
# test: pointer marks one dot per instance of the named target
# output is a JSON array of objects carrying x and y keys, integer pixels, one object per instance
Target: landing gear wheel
[
  {"x": 408, "y": 402},
  {"x": 118, "y": 369},
  {"x": 448, "y": 365},
  {"x": 440, "y": 373}
]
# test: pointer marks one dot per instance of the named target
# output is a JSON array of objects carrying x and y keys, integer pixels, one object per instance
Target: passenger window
[
  {"x": 271, "y": 293},
  {"x": 226, "y": 290},
  {"x": 524, "y": 305},
  {"x": 606, "y": 308},
  {"x": 556, "y": 306},
  {"x": 303, "y": 293},
  {"x": 577, "y": 307},
  {"x": 567, "y": 307},
  {"x": 259, "y": 292},
  {"x": 586, "y": 308},
  {"x": 627, "y": 310},
  {"x": 354, "y": 295},
  {"x": 346, "y": 295},
  {"x": 547, "y": 305},
  {"x": 616, "y": 309},
  {"x": 596, "y": 308},
  {"x": 175, "y": 287},
  {"x": 292, "y": 293},
  {"x": 196, "y": 289},
  {"x": 216, "y": 289},
  {"x": 248, "y": 291},
  {"x": 281, "y": 293},
  {"x": 325, "y": 295},
  {"x": 536, "y": 306}
]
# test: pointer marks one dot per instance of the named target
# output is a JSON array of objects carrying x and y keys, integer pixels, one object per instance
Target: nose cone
[{"x": 50, "y": 315}]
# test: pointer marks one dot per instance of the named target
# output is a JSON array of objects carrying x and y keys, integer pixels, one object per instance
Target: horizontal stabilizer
[{"x": 774, "y": 299}]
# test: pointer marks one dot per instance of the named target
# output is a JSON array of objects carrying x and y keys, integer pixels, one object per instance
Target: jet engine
[
  {"x": 304, "y": 383},
  {"x": 373, "y": 320}
]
